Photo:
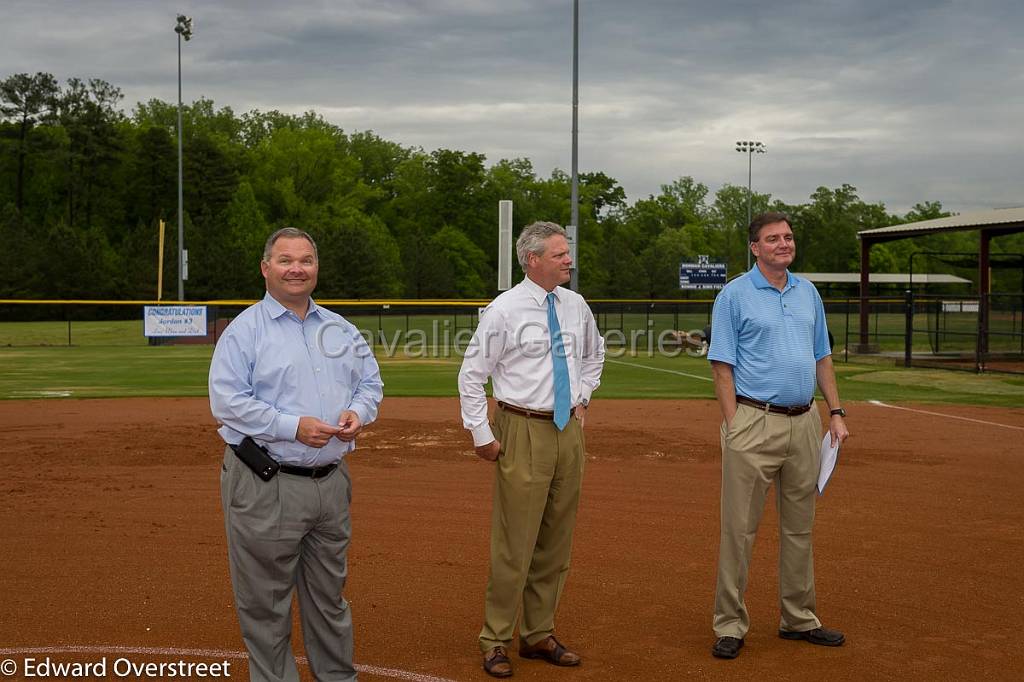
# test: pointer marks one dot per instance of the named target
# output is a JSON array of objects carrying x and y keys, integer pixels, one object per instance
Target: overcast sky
[{"x": 908, "y": 100}]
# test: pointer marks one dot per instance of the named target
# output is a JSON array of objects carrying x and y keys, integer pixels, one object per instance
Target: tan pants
[
  {"x": 758, "y": 449},
  {"x": 536, "y": 493}
]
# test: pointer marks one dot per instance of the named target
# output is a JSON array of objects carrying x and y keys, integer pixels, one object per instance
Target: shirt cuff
[
  {"x": 287, "y": 427},
  {"x": 361, "y": 413},
  {"x": 482, "y": 435}
]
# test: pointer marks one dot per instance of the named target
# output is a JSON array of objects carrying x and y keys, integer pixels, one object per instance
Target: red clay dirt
[{"x": 112, "y": 536}]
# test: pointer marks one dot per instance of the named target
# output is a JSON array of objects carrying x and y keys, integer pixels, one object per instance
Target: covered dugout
[{"x": 988, "y": 224}]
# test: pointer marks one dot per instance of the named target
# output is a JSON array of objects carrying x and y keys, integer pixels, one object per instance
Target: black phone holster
[{"x": 256, "y": 458}]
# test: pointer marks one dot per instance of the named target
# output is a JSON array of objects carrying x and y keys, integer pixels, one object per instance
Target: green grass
[
  {"x": 886, "y": 329},
  {"x": 104, "y": 372},
  {"x": 94, "y": 371},
  {"x": 99, "y": 333}
]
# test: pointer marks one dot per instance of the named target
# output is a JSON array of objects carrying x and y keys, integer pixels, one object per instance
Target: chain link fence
[{"x": 914, "y": 331}]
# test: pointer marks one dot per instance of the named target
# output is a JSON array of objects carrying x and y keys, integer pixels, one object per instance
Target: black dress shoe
[
  {"x": 820, "y": 636},
  {"x": 727, "y": 647}
]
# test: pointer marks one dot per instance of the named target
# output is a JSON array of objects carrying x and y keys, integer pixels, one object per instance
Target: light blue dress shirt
[
  {"x": 773, "y": 339},
  {"x": 270, "y": 368}
]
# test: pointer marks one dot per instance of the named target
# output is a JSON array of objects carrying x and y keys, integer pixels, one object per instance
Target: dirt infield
[{"x": 112, "y": 536}]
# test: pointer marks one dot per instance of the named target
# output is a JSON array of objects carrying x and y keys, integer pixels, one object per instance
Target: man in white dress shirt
[{"x": 540, "y": 346}]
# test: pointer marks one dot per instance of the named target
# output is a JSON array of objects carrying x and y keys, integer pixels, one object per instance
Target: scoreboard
[{"x": 702, "y": 274}]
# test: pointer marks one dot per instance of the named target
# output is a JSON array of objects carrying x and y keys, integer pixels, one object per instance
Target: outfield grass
[
  {"x": 92, "y": 333},
  {"x": 886, "y": 329},
  {"x": 91, "y": 372}
]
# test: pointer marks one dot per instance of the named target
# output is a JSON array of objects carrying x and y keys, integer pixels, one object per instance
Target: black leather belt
[
  {"x": 309, "y": 472},
  {"x": 523, "y": 412},
  {"x": 774, "y": 409}
]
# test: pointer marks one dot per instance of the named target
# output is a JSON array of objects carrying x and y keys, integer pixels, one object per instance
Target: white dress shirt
[{"x": 512, "y": 346}]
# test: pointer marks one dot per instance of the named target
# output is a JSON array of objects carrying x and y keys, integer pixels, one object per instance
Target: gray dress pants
[{"x": 289, "y": 534}]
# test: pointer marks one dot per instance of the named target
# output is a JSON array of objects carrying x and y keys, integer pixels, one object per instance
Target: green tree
[
  {"x": 298, "y": 172},
  {"x": 151, "y": 185},
  {"x": 26, "y": 100},
  {"x": 87, "y": 111},
  {"x": 660, "y": 262},
  {"x": 727, "y": 234},
  {"x": 247, "y": 231},
  {"x": 79, "y": 263},
  {"x": 464, "y": 271},
  {"x": 826, "y": 229},
  {"x": 358, "y": 258},
  {"x": 23, "y": 257}
]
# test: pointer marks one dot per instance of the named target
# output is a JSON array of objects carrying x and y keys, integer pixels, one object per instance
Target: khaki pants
[
  {"x": 758, "y": 449},
  {"x": 536, "y": 493}
]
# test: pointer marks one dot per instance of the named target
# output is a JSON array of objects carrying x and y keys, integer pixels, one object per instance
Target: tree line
[{"x": 83, "y": 185}]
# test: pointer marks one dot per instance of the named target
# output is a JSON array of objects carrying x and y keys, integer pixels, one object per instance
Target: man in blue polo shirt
[{"x": 769, "y": 350}]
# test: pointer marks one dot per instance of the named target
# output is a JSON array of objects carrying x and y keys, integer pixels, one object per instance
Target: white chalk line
[
  {"x": 219, "y": 654},
  {"x": 948, "y": 416},
  {"x": 659, "y": 369}
]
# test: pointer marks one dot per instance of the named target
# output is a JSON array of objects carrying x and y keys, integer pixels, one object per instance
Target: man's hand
[
  {"x": 489, "y": 452},
  {"x": 581, "y": 413},
  {"x": 350, "y": 426},
  {"x": 315, "y": 433},
  {"x": 837, "y": 428}
]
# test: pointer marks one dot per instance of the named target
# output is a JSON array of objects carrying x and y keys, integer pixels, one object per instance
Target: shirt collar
[
  {"x": 761, "y": 282},
  {"x": 536, "y": 291},
  {"x": 276, "y": 309}
]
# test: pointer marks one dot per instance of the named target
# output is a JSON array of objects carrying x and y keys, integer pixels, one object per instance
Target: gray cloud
[{"x": 912, "y": 101}]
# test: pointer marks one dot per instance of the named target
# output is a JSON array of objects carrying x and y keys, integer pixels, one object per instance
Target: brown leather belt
[
  {"x": 774, "y": 409},
  {"x": 523, "y": 412}
]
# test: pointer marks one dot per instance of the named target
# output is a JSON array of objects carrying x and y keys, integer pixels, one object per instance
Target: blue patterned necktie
[{"x": 561, "y": 367}]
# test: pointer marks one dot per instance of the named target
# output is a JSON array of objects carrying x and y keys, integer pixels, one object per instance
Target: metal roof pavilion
[
  {"x": 1001, "y": 220},
  {"x": 881, "y": 278},
  {"x": 989, "y": 224}
]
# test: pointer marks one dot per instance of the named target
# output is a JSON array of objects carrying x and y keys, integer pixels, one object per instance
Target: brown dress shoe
[
  {"x": 551, "y": 650},
  {"x": 496, "y": 663}
]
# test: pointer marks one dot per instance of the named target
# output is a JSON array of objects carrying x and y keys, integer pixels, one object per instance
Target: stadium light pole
[
  {"x": 184, "y": 30},
  {"x": 574, "y": 198},
  {"x": 750, "y": 147}
]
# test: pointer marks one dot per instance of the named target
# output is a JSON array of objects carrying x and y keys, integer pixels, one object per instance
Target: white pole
[{"x": 504, "y": 245}]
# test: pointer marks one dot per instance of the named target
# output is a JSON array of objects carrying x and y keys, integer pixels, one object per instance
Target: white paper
[{"x": 829, "y": 457}]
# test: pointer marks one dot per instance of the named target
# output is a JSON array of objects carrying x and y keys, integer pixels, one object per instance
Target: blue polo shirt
[{"x": 773, "y": 339}]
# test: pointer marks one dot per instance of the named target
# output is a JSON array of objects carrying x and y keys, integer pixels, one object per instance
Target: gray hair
[
  {"x": 532, "y": 240},
  {"x": 288, "y": 233}
]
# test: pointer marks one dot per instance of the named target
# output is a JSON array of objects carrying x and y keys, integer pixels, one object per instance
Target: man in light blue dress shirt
[{"x": 302, "y": 383}]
